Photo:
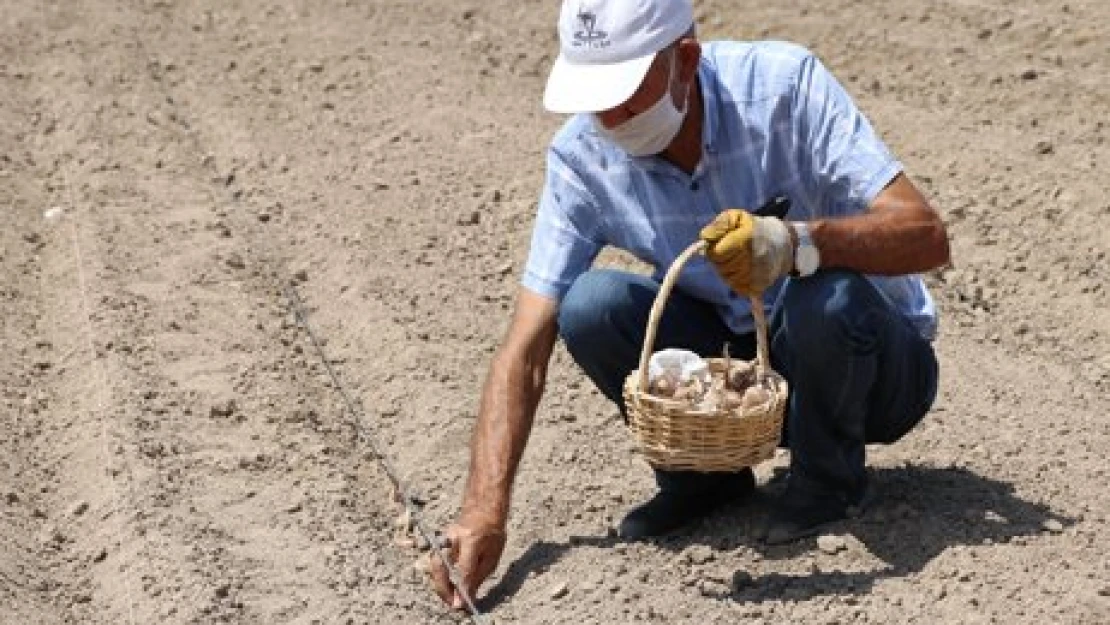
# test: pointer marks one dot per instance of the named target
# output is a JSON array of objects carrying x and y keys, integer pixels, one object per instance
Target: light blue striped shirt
[{"x": 776, "y": 123}]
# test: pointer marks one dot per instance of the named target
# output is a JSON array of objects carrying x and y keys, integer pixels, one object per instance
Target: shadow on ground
[{"x": 919, "y": 512}]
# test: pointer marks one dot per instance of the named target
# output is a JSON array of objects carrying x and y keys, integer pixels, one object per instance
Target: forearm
[
  {"x": 899, "y": 234},
  {"x": 881, "y": 243},
  {"x": 512, "y": 391}
]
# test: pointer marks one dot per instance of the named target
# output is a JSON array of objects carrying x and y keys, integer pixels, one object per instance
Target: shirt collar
[{"x": 707, "y": 79}]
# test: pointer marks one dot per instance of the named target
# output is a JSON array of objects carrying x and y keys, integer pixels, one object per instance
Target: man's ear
[{"x": 689, "y": 52}]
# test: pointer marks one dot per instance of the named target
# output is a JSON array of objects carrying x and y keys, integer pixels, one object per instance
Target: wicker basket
[{"x": 676, "y": 436}]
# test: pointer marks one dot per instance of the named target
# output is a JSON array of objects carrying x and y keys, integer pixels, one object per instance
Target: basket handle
[{"x": 763, "y": 357}]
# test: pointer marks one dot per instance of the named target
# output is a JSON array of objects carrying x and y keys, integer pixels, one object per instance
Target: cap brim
[{"x": 589, "y": 88}]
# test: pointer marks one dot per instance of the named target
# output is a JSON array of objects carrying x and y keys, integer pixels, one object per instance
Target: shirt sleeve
[
  {"x": 844, "y": 164},
  {"x": 567, "y": 235}
]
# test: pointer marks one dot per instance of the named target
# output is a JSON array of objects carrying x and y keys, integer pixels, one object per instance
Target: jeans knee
[
  {"x": 827, "y": 310},
  {"x": 587, "y": 311}
]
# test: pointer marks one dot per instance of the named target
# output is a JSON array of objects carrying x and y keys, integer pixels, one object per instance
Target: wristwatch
[{"x": 807, "y": 258}]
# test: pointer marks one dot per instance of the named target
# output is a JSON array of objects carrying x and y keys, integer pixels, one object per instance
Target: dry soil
[{"x": 171, "y": 450}]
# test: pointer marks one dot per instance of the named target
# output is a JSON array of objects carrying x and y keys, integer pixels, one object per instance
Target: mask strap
[{"x": 670, "y": 81}]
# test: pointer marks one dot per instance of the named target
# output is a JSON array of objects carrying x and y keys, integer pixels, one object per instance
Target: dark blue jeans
[{"x": 859, "y": 372}]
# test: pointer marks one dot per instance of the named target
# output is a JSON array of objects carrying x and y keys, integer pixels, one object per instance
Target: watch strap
[{"x": 804, "y": 248}]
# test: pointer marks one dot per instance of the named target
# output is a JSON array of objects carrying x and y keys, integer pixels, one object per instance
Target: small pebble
[
  {"x": 994, "y": 517},
  {"x": 1054, "y": 526},
  {"x": 699, "y": 554},
  {"x": 403, "y": 522},
  {"x": 560, "y": 590},
  {"x": 223, "y": 408},
  {"x": 707, "y": 588},
  {"x": 831, "y": 544}
]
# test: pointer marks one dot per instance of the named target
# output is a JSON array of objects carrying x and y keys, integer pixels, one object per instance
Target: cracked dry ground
[{"x": 172, "y": 451}]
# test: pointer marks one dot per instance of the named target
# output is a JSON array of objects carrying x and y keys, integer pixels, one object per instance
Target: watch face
[{"x": 808, "y": 260}]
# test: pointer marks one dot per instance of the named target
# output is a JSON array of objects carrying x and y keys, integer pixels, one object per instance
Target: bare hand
[{"x": 475, "y": 550}]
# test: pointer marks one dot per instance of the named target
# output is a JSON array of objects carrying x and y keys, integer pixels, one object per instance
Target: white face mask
[{"x": 653, "y": 130}]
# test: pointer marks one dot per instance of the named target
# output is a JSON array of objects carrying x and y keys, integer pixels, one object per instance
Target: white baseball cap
[{"x": 606, "y": 48}]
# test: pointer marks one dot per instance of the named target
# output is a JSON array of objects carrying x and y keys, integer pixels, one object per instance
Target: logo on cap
[{"x": 589, "y": 36}]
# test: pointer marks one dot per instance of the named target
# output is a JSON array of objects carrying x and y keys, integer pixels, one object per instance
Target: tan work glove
[{"x": 749, "y": 252}]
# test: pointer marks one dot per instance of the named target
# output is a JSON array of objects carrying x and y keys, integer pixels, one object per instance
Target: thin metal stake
[{"x": 407, "y": 500}]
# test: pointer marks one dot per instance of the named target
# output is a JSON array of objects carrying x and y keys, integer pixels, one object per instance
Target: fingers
[
  {"x": 732, "y": 257},
  {"x": 461, "y": 554},
  {"x": 725, "y": 223},
  {"x": 477, "y": 560},
  {"x": 730, "y": 239},
  {"x": 468, "y": 563},
  {"x": 441, "y": 580},
  {"x": 733, "y": 247},
  {"x": 749, "y": 252},
  {"x": 474, "y": 554},
  {"x": 729, "y": 222}
]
